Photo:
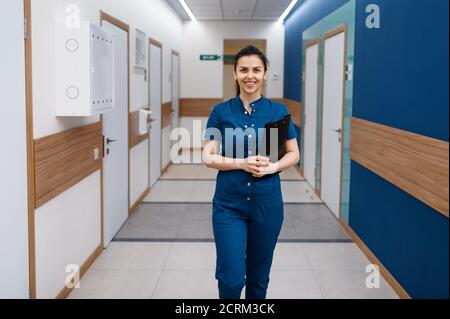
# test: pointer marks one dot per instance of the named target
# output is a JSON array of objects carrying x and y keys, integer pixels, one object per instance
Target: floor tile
[
  {"x": 186, "y": 284},
  {"x": 203, "y": 191},
  {"x": 290, "y": 256},
  {"x": 193, "y": 256},
  {"x": 293, "y": 284},
  {"x": 350, "y": 284},
  {"x": 133, "y": 256},
  {"x": 117, "y": 284},
  {"x": 335, "y": 256},
  {"x": 170, "y": 191}
]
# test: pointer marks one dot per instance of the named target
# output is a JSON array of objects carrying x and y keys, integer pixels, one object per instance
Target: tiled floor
[
  {"x": 166, "y": 249},
  {"x": 202, "y": 191},
  {"x": 186, "y": 270},
  {"x": 192, "y": 221}
]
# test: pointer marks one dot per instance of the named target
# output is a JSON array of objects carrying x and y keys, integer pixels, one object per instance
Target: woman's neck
[{"x": 247, "y": 99}]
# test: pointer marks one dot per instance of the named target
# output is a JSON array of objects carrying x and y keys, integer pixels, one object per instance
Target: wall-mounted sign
[{"x": 209, "y": 57}]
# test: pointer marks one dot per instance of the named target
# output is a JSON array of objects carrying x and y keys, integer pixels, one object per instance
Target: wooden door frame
[
  {"x": 158, "y": 44},
  {"x": 308, "y": 45},
  {"x": 329, "y": 34},
  {"x": 30, "y": 151},
  {"x": 125, "y": 27}
]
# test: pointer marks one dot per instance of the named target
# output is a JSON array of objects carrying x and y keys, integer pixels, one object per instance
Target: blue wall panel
[
  {"x": 410, "y": 238},
  {"x": 401, "y": 69}
]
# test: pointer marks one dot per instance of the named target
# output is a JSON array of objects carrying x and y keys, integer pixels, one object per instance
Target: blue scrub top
[{"x": 239, "y": 185}]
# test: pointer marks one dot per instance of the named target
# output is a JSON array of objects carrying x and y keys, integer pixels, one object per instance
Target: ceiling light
[
  {"x": 188, "y": 11},
  {"x": 288, "y": 9}
]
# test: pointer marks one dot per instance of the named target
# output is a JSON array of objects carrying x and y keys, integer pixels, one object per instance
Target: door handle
[
  {"x": 338, "y": 131},
  {"x": 110, "y": 140},
  {"x": 150, "y": 120}
]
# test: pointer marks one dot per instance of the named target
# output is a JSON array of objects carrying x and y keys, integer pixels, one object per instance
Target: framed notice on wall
[{"x": 140, "y": 49}]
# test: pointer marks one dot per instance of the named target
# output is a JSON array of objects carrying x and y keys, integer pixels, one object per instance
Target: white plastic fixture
[
  {"x": 84, "y": 70},
  {"x": 143, "y": 121}
]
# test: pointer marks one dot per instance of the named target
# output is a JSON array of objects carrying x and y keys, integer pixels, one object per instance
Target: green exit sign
[{"x": 209, "y": 57}]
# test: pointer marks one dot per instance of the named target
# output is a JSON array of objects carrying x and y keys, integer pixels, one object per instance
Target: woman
[{"x": 247, "y": 204}]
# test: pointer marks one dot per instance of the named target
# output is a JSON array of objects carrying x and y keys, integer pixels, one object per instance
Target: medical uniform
[{"x": 247, "y": 211}]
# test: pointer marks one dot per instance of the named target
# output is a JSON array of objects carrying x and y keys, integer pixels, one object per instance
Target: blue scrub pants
[{"x": 245, "y": 236}]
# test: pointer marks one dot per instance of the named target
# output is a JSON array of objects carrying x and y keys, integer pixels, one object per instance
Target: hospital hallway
[
  {"x": 114, "y": 112},
  {"x": 166, "y": 249}
]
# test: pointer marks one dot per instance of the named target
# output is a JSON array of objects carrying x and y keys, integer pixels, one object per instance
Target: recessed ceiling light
[
  {"x": 288, "y": 9},
  {"x": 188, "y": 11}
]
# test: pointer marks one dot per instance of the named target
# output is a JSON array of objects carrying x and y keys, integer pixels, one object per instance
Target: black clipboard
[{"x": 272, "y": 151}]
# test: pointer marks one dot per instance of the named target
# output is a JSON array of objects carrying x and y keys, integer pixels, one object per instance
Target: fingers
[
  {"x": 258, "y": 161},
  {"x": 262, "y": 159}
]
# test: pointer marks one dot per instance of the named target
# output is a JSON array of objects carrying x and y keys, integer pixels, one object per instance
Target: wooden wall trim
[
  {"x": 166, "y": 119},
  {"x": 294, "y": 108},
  {"x": 64, "y": 293},
  {"x": 64, "y": 159},
  {"x": 415, "y": 163},
  {"x": 155, "y": 43},
  {"x": 197, "y": 107},
  {"x": 133, "y": 126},
  {"x": 105, "y": 16},
  {"x": 401, "y": 292}
]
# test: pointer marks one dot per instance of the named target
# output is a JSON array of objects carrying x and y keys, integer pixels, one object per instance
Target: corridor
[{"x": 168, "y": 149}]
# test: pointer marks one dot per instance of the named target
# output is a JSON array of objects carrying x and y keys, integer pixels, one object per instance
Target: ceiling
[{"x": 232, "y": 10}]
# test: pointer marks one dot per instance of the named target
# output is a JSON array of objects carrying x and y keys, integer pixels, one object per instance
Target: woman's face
[{"x": 250, "y": 74}]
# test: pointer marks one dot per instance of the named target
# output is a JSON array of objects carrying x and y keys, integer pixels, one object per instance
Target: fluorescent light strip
[
  {"x": 286, "y": 12},
  {"x": 188, "y": 11}
]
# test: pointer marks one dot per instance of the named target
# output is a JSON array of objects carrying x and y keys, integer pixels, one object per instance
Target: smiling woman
[{"x": 247, "y": 204}]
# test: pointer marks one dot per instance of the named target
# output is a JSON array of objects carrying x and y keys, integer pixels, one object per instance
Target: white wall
[
  {"x": 157, "y": 19},
  {"x": 203, "y": 37},
  {"x": 13, "y": 163}
]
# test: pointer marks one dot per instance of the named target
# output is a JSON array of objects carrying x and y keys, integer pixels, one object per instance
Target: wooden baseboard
[
  {"x": 300, "y": 170},
  {"x": 401, "y": 292},
  {"x": 164, "y": 170},
  {"x": 139, "y": 201},
  {"x": 64, "y": 293}
]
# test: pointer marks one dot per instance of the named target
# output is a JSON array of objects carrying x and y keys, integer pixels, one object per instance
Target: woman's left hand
[{"x": 271, "y": 168}]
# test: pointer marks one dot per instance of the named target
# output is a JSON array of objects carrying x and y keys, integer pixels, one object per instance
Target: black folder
[{"x": 282, "y": 126}]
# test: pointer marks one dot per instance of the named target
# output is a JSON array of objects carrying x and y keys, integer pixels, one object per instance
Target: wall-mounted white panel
[{"x": 84, "y": 70}]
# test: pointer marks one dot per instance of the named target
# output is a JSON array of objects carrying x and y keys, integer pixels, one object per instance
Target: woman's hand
[
  {"x": 254, "y": 164},
  {"x": 270, "y": 168}
]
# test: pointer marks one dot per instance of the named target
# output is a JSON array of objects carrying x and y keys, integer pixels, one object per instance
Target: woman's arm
[
  {"x": 289, "y": 159},
  {"x": 212, "y": 159}
]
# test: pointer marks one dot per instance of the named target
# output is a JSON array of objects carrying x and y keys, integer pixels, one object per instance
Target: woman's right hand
[{"x": 253, "y": 163}]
